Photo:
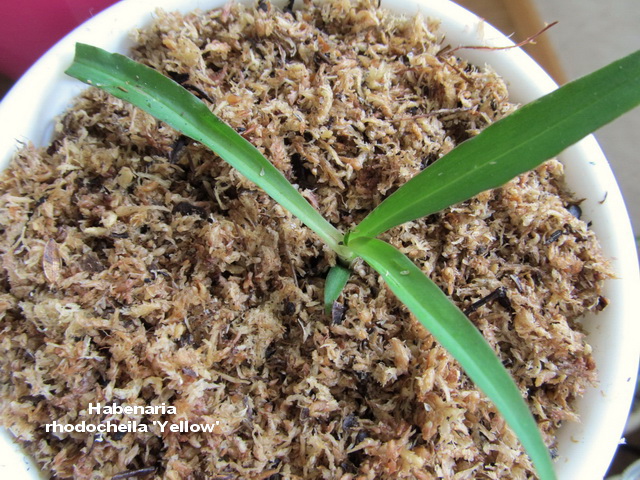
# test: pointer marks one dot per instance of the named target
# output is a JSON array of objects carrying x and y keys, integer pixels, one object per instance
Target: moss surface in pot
[{"x": 139, "y": 240}]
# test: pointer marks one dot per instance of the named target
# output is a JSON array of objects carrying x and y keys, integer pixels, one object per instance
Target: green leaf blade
[
  {"x": 517, "y": 143},
  {"x": 163, "y": 98},
  {"x": 453, "y": 330},
  {"x": 334, "y": 284}
]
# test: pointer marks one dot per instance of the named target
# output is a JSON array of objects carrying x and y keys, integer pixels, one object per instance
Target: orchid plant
[{"x": 515, "y": 144}]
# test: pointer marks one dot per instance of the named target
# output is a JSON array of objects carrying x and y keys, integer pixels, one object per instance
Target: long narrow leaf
[
  {"x": 461, "y": 338},
  {"x": 167, "y": 101},
  {"x": 513, "y": 145}
]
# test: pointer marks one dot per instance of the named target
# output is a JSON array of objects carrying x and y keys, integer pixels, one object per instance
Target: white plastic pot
[{"x": 585, "y": 449}]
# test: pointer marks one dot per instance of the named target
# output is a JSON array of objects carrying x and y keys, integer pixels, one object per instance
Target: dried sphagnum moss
[{"x": 140, "y": 269}]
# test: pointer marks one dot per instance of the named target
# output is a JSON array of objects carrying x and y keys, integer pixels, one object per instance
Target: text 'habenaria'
[{"x": 115, "y": 409}]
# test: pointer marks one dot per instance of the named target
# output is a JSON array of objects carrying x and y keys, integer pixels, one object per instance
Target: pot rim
[{"x": 586, "y": 448}]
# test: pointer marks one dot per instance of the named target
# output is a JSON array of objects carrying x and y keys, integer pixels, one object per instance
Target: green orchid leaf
[
  {"x": 166, "y": 100},
  {"x": 461, "y": 338},
  {"x": 513, "y": 145},
  {"x": 334, "y": 284}
]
